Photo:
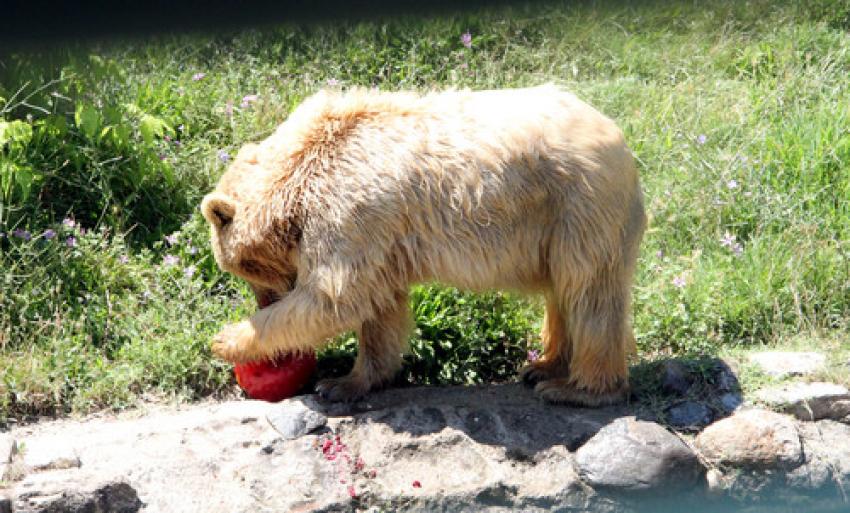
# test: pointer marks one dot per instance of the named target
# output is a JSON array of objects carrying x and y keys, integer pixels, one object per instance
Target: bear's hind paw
[
  {"x": 564, "y": 391},
  {"x": 342, "y": 390},
  {"x": 536, "y": 372}
]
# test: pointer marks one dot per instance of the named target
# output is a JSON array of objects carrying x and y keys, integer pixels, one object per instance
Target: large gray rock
[
  {"x": 676, "y": 378},
  {"x": 296, "y": 417},
  {"x": 827, "y": 457},
  {"x": 632, "y": 455},
  {"x": 781, "y": 364},
  {"x": 466, "y": 448},
  {"x": 808, "y": 401},
  {"x": 752, "y": 439},
  {"x": 689, "y": 415},
  {"x": 731, "y": 401}
]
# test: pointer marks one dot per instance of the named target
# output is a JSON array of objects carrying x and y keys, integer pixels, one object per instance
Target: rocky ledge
[{"x": 486, "y": 448}]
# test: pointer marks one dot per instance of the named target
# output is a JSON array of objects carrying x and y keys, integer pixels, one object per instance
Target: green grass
[{"x": 738, "y": 114}]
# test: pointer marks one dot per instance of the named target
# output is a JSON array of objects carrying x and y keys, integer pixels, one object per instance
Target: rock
[
  {"x": 808, "y": 401},
  {"x": 112, "y": 497},
  {"x": 51, "y": 456},
  {"x": 631, "y": 455},
  {"x": 714, "y": 480},
  {"x": 726, "y": 381},
  {"x": 752, "y": 439},
  {"x": 689, "y": 414},
  {"x": 827, "y": 457},
  {"x": 676, "y": 378},
  {"x": 471, "y": 449},
  {"x": 781, "y": 364},
  {"x": 296, "y": 417},
  {"x": 731, "y": 401}
]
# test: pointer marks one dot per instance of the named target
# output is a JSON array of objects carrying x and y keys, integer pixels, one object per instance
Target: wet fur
[{"x": 360, "y": 194}]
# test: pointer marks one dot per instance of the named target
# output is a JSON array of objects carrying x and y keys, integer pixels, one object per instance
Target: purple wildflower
[
  {"x": 171, "y": 239},
  {"x": 180, "y": 128},
  {"x": 162, "y": 156},
  {"x": 177, "y": 143},
  {"x": 71, "y": 242},
  {"x": 223, "y": 156},
  {"x": 22, "y": 234},
  {"x": 738, "y": 249},
  {"x": 170, "y": 260},
  {"x": 68, "y": 222},
  {"x": 248, "y": 99},
  {"x": 123, "y": 259},
  {"x": 728, "y": 240},
  {"x": 466, "y": 39},
  {"x": 189, "y": 271},
  {"x": 701, "y": 139},
  {"x": 533, "y": 355},
  {"x": 333, "y": 82},
  {"x": 167, "y": 138},
  {"x": 49, "y": 234},
  {"x": 732, "y": 184},
  {"x": 679, "y": 282},
  {"x": 193, "y": 250},
  {"x": 198, "y": 76}
]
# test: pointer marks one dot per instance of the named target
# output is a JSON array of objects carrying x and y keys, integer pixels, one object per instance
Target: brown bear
[{"x": 360, "y": 194}]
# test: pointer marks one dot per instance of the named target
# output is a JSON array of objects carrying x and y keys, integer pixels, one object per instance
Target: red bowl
[{"x": 275, "y": 380}]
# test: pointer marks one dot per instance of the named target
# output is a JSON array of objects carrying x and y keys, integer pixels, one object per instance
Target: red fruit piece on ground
[{"x": 275, "y": 380}]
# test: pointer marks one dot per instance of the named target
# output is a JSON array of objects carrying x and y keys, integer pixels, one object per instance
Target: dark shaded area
[
  {"x": 29, "y": 24},
  {"x": 659, "y": 389}
]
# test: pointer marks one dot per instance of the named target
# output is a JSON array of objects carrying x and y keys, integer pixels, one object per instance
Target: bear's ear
[{"x": 218, "y": 209}]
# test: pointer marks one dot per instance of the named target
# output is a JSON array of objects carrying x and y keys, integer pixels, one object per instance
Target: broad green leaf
[
  {"x": 16, "y": 133},
  {"x": 120, "y": 136},
  {"x": 53, "y": 126},
  {"x": 152, "y": 126},
  {"x": 87, "y": 119},
  {"x": 23, "y": 181}
]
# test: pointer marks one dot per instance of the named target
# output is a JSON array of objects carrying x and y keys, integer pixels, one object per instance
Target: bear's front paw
[{"x": 237, "y": 343}]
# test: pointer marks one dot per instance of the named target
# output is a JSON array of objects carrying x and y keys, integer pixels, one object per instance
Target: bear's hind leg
[
  {"x": 382, "y": 340},
  {"x": 601, "y": 339},
  {"x": 555, "y": 360}
]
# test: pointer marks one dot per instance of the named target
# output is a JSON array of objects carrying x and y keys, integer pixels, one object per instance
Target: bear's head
[{"x": 252, "y": 235}]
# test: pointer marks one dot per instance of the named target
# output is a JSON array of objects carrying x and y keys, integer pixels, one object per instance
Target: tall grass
[{"x": 738, "y": 114}]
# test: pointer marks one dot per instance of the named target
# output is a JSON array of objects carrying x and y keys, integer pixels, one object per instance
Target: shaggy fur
[{"x": 360, "y": 194}]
